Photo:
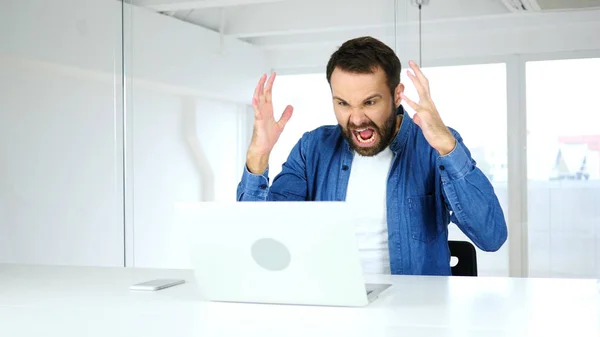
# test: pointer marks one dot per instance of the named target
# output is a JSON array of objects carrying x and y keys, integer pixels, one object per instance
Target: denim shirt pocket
[{"x": 422, "y": 217}]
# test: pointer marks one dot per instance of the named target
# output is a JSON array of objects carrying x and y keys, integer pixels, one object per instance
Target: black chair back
[{"x": 467, "y": 258}]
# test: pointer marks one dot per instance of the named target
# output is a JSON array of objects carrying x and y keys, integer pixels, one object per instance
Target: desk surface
[{"x": 82, "y": 301}]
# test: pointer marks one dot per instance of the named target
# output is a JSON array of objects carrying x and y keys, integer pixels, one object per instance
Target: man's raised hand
[
  {"x": 266, "y": 129},
  {"x": 427, "y": 116}
]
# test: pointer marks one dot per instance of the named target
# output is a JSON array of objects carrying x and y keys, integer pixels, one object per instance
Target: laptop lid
[{"x": 275, "y": 252}]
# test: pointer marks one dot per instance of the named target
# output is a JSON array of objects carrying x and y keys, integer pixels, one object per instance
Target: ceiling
[{"x": 297, "y": 23}]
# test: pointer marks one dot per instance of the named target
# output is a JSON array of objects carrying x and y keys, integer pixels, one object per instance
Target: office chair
[{"x": 467, "y": 258}]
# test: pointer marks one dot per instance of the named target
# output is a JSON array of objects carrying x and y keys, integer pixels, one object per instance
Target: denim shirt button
[
  {"x": 263, "y": 186},
  {"x": 345, "y": 168},
  {"x": 442, "y": 167}
]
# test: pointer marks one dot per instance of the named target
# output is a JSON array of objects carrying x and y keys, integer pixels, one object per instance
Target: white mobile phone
[{"x": 157, "y": 284}]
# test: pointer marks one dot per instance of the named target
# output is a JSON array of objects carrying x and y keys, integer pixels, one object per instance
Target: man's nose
[{"x": 358, "y": 118}]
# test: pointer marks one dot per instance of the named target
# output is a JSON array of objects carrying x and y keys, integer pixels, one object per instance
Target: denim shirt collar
[{"x": 402, "y": 135}]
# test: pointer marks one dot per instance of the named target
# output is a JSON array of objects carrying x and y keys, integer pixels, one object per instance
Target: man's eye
[
  {"x": 369, "y": 102},
  {"x": 342, "y": 103}
]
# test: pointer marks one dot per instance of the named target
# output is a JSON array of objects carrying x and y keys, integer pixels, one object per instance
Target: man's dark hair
[{"x": 364, "y": 55}]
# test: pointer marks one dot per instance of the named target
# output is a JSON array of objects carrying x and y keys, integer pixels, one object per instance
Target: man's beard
[{"x": 385, "y": 135}]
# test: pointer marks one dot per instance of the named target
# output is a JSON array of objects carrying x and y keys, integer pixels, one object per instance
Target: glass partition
[
  {"x": 61, "y": 172},
  {"x": 192, "y": 72}
]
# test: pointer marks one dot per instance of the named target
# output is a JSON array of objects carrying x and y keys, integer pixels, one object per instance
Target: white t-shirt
[{"x": 367, "y": 189}]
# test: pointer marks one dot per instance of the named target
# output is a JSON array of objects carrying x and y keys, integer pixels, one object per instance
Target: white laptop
[{"x": 302, "y": 253}]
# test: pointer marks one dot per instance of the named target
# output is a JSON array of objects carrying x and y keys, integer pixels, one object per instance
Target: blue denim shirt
[{"x": 425, "y": 191}]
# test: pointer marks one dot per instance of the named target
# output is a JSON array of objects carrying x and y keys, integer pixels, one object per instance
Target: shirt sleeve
[
  {"x": 473, "y": 203},
  {"x": 253, "y": 187},
  {"x": 289, "y": 185}
]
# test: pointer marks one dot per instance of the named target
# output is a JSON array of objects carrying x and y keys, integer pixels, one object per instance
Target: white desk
[{"x": 68, "y": 301}]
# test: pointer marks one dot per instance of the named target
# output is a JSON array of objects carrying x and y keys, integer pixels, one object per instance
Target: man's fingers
[
  {"x": 285, "y": 116},
  {"x": 424, "y": 81},
  {"x": 259, "y": 86},
  {"x": 421, "y": 90},
  {"x": 263, "y": 95},
  {"x": 410, "y": 102},
  {"x": 417, "y": 119},
  {"x": 269, "y": 88},
  {"x": 255, "y": 105}
]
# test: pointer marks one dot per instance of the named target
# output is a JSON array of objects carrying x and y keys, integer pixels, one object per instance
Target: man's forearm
[
  {"x": 256, "y": 163},
  {"x": 471, "y": 197}
]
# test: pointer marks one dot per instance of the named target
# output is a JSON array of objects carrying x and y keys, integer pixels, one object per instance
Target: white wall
[
  {"x": 59, "y": 178},
  {"x": 184, "y": 150},
  {"x": 60, "y": 183},
  {"x": 184, "y": 137},
  {"x": 61, "y": 146}
]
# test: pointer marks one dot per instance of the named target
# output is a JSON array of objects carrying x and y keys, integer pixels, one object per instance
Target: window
[{"x": 563, "y": 167}]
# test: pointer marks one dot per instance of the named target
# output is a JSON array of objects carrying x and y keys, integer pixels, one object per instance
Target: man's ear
[{"x": 399, "y": 90}]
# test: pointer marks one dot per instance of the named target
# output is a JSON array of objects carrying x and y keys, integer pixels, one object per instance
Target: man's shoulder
[
  {"x": 326, "y": 134},
  {"x": 322, "y": 141}
]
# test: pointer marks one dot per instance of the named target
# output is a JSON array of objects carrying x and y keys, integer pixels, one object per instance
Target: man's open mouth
[{"x": 365, "y": 135}]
